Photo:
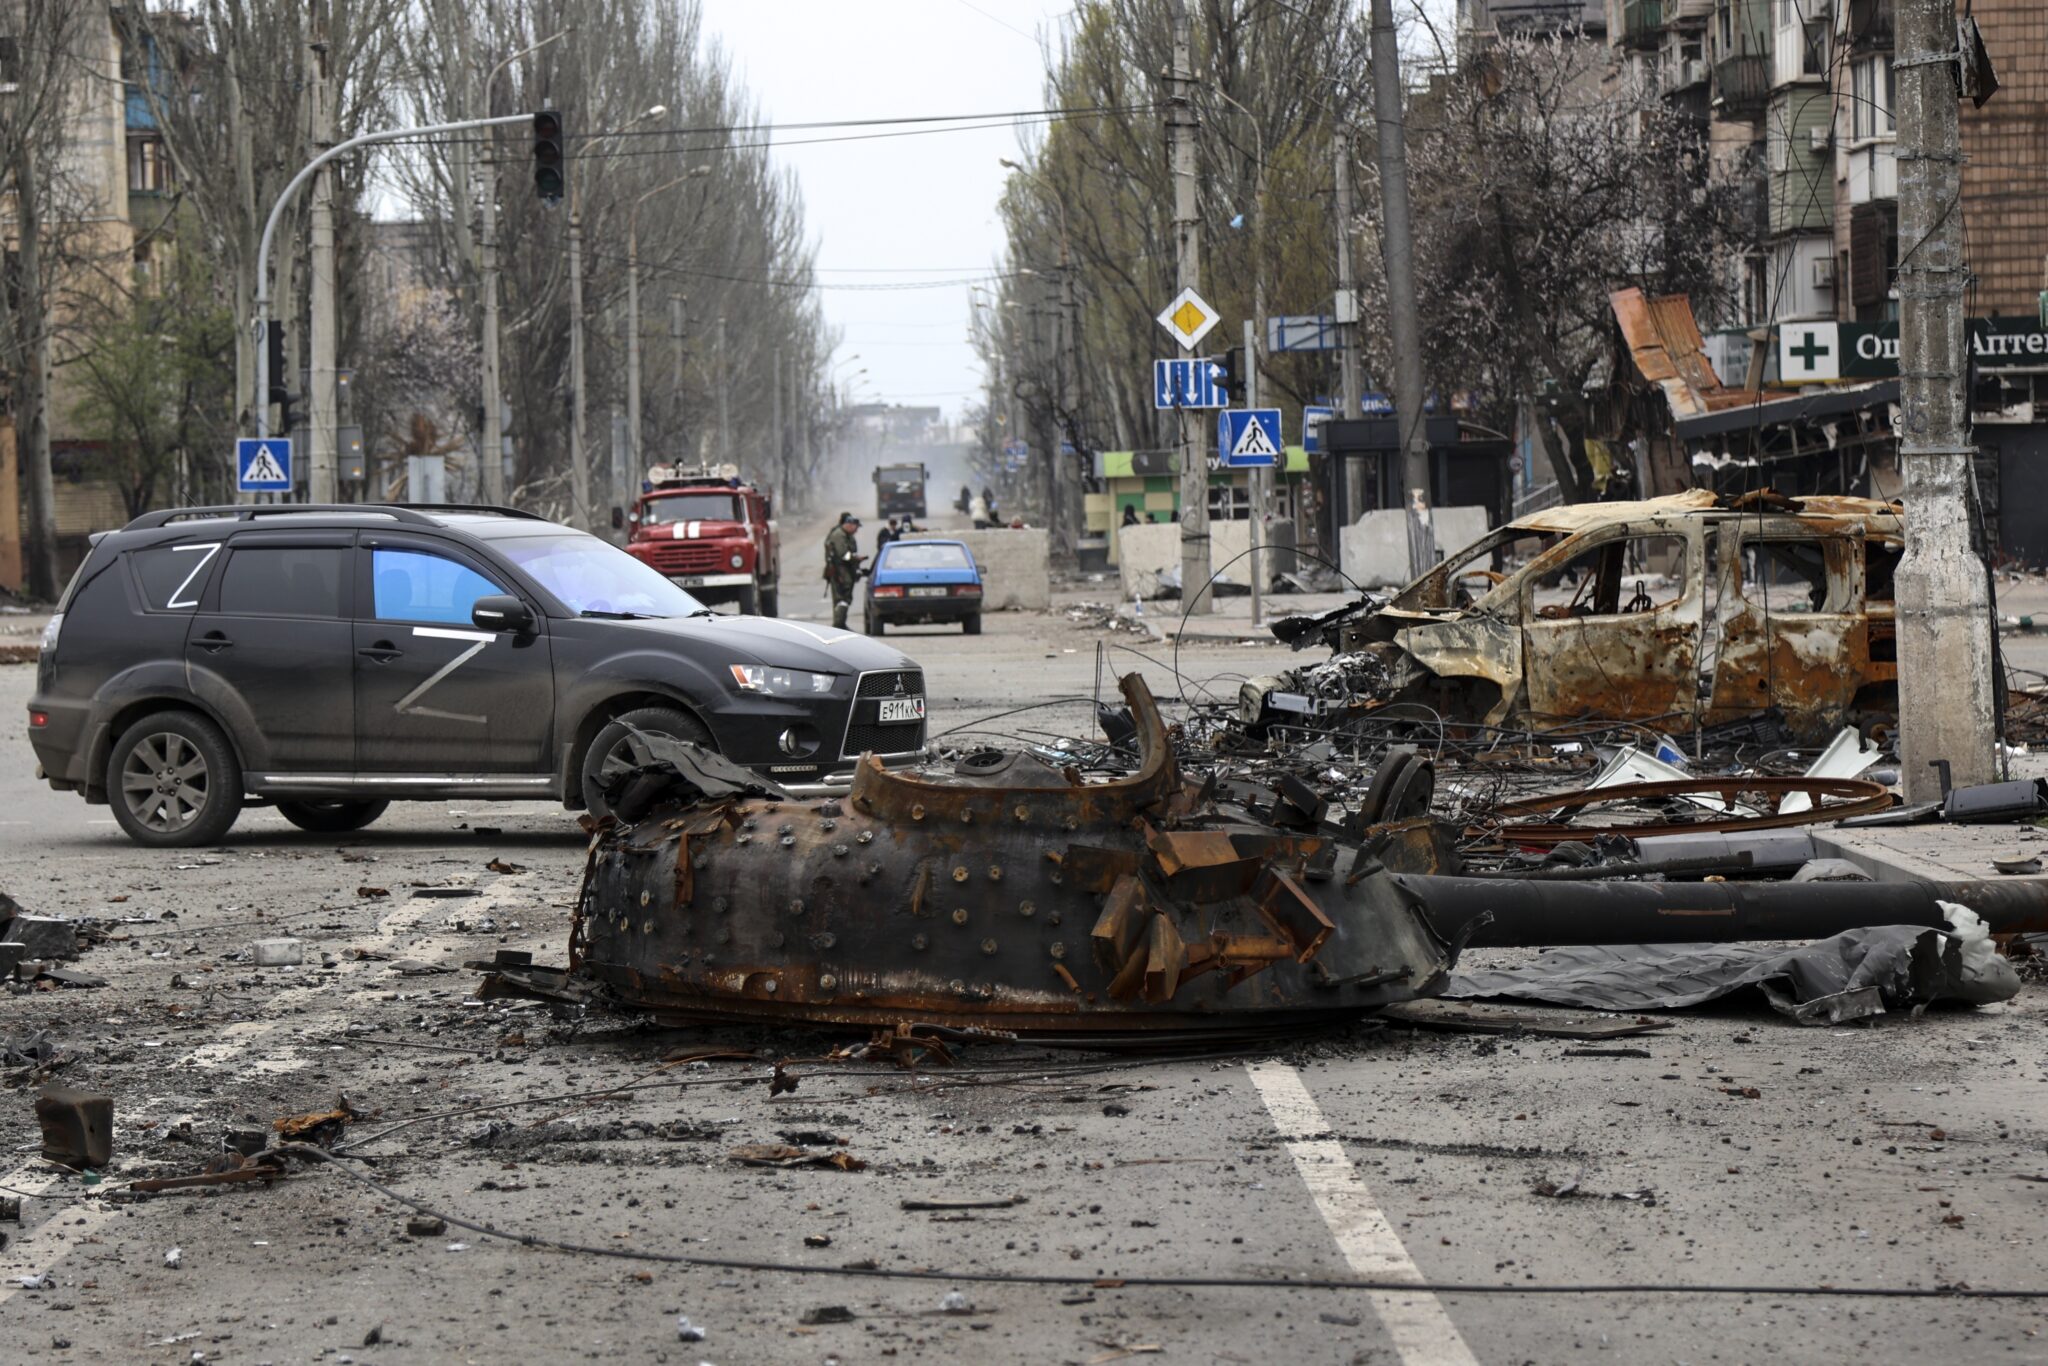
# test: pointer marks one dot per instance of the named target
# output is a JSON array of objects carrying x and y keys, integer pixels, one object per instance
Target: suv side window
[
  {"x": 283, "y": 581},
  {"x": 172, "y": 577},
  {"x": 414, "y": 585}
]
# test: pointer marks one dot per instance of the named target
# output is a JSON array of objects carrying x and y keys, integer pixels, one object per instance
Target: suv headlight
[{"x": 763, "y": 678}]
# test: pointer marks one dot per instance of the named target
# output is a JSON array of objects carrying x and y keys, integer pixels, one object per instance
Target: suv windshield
[
  {"x": 589, "y": 575},
  {"x": 692, "y": 507}
]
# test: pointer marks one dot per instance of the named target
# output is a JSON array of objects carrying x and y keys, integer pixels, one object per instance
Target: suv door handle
[
  {"x": 213, "y": 642},
  {"x": 383, "y": 652}
]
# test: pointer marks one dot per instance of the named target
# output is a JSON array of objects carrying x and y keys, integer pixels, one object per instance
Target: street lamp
[
  {"x": 492, "y": 465},
  {"x": 633, "y": 316}
]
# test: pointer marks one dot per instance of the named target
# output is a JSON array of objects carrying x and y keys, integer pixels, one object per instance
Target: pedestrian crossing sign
[
  {"x": 263, "y": 465},
  {"x": 1248, "y": 437}
]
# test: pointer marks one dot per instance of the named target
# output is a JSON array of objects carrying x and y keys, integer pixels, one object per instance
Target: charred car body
[{"x": 1690, "y": 610}]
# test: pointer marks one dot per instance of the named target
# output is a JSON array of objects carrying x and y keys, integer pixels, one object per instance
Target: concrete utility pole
[
  {"x": 579, "y": 474},
  {"x": 1397, "y": 253},
  {"x": 323, "y": 417},
  {"x": 675, "y": 337},
  {"x": 724, "y": 398},
  {"x": 492, "y": 464},
  {"x": 1255, "y": 562},
  {"x": 1347, "y": 343},
  {"x": 633, "y": 428},
  {"x": 1943, "y": 597},
  {"x": 1181, "y": 126},
  {"x": 1258, "y": 479},
  {"x": 774, "y": 471}
]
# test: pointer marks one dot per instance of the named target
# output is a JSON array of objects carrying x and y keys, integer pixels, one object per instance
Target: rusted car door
[
  {"x": 1792, "y": 627},
  {"x": 1611, "y": 623}
]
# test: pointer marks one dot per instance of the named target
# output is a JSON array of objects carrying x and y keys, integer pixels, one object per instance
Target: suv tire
[
  {"x": 616, "y": 745},
  {"x": 331, "y": 817},
  {"x": 174, "y": 781}
]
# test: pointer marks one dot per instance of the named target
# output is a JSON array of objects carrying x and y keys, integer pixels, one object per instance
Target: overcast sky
[{"x": 898, "y": 210}]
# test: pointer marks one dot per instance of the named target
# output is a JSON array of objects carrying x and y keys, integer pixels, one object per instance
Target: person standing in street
[
  {"x": 888, "y": 533},
  {"x": 842, "y": 565}
]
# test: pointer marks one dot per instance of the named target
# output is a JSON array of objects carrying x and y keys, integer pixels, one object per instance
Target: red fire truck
[{"x": 711, "y": 533}]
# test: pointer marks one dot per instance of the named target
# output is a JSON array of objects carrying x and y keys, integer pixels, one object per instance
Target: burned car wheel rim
[
  {"x": 627, "y": 754},
  {"x": 164, "y": 781}
]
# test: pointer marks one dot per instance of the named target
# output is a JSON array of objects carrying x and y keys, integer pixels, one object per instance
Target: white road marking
[
  {"x": 39, "y": 1249},
  {"x": 1422, "y": 1332}
]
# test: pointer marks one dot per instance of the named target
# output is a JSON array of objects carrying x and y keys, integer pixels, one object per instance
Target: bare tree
[{"x": 56, "y": 67}]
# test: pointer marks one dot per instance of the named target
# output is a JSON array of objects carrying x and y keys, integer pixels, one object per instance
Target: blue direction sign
[
  {"x": 263, "y": 466},
  {"x": 1188, "y": 383},
  {"x": 1312, "y": 420},
  {"x": 1247, "y": 437},
  {"x": 1303, "y": 332}
]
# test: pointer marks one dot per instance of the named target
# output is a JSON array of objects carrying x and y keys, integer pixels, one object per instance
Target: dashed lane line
[{"x": 1421, "y": 1331}]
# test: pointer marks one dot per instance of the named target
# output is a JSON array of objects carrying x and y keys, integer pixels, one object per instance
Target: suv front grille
[
  {"x": 891, "y": 683},
  {"x": 865, "y": 734}
]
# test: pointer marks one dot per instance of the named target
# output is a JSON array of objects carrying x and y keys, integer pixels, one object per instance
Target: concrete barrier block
[
  {"x": 1015, "y": 566},
  {"x": 1375, "y": 549},
  {"x": 1149, "y": 548}
]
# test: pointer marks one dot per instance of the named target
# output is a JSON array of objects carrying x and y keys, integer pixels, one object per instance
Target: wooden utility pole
[
  {"x": 322, "y": 417},
  {"x": 1942, "y": 593},
  {"x": 1181, "y": 128},
  {"x": 1397, "y": 254}
]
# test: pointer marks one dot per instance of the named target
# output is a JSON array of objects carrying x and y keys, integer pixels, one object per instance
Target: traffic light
[
  {"x": 1230, "y": 374},
  {"x": 550, "y": 171},
  {"x": 280, "y": 384}
]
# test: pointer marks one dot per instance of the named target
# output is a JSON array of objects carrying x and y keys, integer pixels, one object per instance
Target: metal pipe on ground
[{"x": 1522, "y": 913}]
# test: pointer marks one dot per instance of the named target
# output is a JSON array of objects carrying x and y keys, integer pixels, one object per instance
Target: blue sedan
[{"x": 922, "y": 583}]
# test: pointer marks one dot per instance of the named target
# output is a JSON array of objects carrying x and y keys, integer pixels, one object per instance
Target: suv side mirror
[
  {"x": 501, "y": 612},
  {"x": 618, "y": 518}
]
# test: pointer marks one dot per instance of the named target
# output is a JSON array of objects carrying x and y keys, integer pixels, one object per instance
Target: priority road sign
[
  {"x": 263, "y": 465},
  {"x": 1312, "y": 420},
  {"x": 1248, "y": 437},
  {"x": 1189, "y": 318},
  {"x": 1190, "y": 383}
]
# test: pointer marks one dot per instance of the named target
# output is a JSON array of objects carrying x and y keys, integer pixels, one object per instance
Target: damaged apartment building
[{"x": 1797, "y": 389}]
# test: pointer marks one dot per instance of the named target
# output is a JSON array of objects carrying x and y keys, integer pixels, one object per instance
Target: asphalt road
[{"x": 1885, "y": 1156}]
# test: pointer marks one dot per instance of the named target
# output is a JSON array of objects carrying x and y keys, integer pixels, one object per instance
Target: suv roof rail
[
  {"x": 412, "y": 514},
  {"x": 492, "y": 508},
  {"x": 243, "y": 512}
]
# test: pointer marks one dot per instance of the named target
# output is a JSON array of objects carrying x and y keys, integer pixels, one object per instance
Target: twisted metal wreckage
[{"x": 1014, "y": 897}]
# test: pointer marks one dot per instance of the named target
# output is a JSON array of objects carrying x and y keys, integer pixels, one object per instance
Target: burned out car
[{"x": 1689, "y": 610}]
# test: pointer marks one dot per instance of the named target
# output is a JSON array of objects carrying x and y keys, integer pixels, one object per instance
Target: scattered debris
[
  {"x": 278, "y": 953},
  {"x": 827, "y": 1313},
  {"x": 789, "y": 1155},
  {"x": 999, "y": 1202},
  {"x": 425, "y": 1226},
  {"x": 78, "y": 1127}
]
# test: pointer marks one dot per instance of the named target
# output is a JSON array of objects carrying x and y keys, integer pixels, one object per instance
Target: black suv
[{"x": 331, "y": 659}]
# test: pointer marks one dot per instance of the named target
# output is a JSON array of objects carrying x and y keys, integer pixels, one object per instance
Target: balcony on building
[
  {"x": 1642, "y": 23},
  {"x": 1867, "y": 27}
]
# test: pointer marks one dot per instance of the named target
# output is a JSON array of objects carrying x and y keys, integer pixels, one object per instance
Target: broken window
[
  {"x": 1626, "y": 576},
  {"x": 1791, "y": 575},
  {"x": 1469, "y": 575}
]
